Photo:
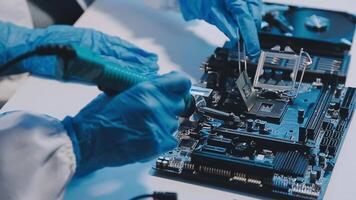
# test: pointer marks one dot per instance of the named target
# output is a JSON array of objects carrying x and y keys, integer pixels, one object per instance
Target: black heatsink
[{"x": 290, "y": 163}]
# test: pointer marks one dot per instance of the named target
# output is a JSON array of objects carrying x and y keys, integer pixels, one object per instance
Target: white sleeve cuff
[
  {"x": 163, "y": 4},
  {"x": 36, "y": 157}
]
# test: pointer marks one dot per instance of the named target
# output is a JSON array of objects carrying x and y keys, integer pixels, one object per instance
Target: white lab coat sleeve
[
  {"x": 163, "y": 4},
  {"x": 84, "y": 4},
  {"x": 36, "y": 157}
]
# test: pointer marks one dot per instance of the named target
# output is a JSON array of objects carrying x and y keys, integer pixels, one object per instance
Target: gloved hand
[
  {"x": 15, "y": 40},
  {"x": 132, "y": 126},
  {"x": 232, "y": 17}
]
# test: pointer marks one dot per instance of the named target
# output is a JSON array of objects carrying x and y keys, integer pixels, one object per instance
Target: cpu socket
[
  {"x": 271, "y": 110},
  {"x": 273, "y": 106},
  {"x": 297, "y": 62}
]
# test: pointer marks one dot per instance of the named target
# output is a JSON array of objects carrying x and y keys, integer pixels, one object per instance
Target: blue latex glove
[
  {"x": 132, "y": 126},
  {"x": 15, "y": 40},
  {"x": 232, "y": 17}
]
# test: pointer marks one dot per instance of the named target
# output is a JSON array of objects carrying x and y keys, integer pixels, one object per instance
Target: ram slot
[
  {"x": 311, "y": 131},
  {"x": 347, "y": 103},
  {"x": 268, "y": 142}
]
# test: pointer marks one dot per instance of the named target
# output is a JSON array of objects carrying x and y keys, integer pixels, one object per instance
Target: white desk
[{"x": 181, "y": 46}]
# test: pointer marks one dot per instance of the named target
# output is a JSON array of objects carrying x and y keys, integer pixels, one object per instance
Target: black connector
[
  {"x": 158, "y": 196},
  {"x": 165, "y": 196}
]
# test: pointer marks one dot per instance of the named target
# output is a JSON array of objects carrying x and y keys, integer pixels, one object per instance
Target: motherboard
[{"x": 273, "y": 125}]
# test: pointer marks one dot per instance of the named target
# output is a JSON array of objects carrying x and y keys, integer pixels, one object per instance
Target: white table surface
[{"x": 181, "y": 46}]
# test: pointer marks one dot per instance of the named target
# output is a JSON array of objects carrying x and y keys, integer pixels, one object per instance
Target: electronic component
[
  {"x": 275, "y": 126},
  {"x": 158, "y": 196},
  {"x": 281, "y": 83},
  {"x": 317, "y": 23}
]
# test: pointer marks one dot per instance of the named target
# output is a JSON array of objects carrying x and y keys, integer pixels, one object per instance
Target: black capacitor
[
  {"x": 338, "y": 91},
  {"x": 165, "y": 164},
  {"x": 249, "y": 124},
  {"x": 158, "y": 163},
  {"x": 337, "y": 106},
  {"x": 332, "y": 105},
  {"x": 301, "y": 113},
  {"x": 257, "y": 122},
  {"x": 313, "y": 176},
  {"x": 318, "y": 171},
  {"x": 322, "y": 159},
  {"x": 330, "y": 111},
  {"x": 262, "y": 127}
]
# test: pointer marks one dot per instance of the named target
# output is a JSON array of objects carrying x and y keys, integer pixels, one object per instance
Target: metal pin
[
  {"x": 245, "y": 57},
  {"x": 238, "y": 55},
  {"x": 309, "y": 62}
]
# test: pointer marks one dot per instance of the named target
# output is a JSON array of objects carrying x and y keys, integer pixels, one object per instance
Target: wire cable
[
  {"x": 142, "y": 196},
  {"x": 63, "y": 51},
  {"x": 16, "y": 60},
  {"x": 158, "y": 196}
]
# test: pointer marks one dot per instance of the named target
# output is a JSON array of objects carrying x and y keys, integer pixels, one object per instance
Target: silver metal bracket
[{"x": 299, "y": 62}]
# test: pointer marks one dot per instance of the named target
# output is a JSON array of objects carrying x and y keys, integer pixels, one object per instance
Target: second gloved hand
[
  {"x": 16, "y": 40},
  {"x": 232, "y": 17},
  {"x": 130, "y": 127}
]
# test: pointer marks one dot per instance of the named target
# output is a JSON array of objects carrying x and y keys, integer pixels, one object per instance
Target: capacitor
[
  {"x": 322, "y": 157},
  {"x": 313, "y": 159},
  {"x": 301, "y": 113},
  {"x": 338, "y": 91},
  {"x": 332, "y": 105},
  {"x": 257, "y": 123},
  {"x": 262, "y": 127},
  {"x": 313, "y": 176},
  {"x": 330, "y": 111},
  {"x": 249, "y": 124},
  {"x": 159, "y": 163},
  {"x": 322, "y": 160},
  {"x": 164, "y": 164},
  {"x": 337, "y": 106},
  {"x": 318, "y": 171}
]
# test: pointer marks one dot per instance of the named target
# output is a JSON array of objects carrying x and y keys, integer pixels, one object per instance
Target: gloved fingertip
[
  {"x": 175, "y": 82},
  {"x": 230, "y": 44},
  {"x": 223, "y": 20},
  {"x": 253, "y": 52},
  {"x": 234, "y": 37},
  {"x": 180, "y": 84}
]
